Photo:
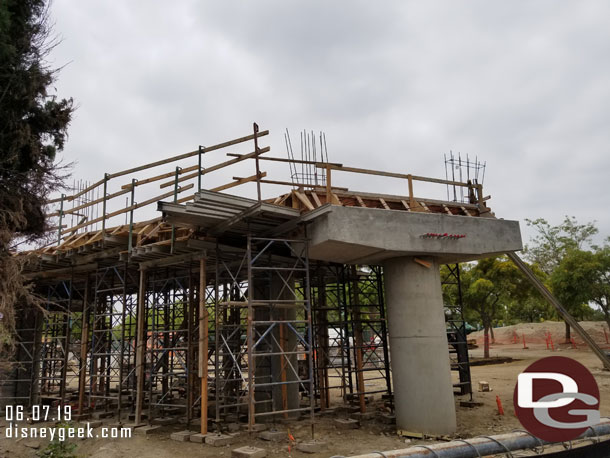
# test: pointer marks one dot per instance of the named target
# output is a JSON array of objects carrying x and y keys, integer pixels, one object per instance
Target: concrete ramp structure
[
  {"x": 292, "y": 298},
  {"x": 411, "y": 246}
]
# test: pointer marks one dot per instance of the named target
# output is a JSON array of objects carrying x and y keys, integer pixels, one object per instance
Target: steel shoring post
[
  {"x": 384, "y": 331},
  {"x": 250, "y": 337},
  {"x": 190, "y": 353},
  {"x": 344, "y": 297},
  {"x": 152, "y": 309},
  {"x": 310, "y": 337},
  {"x": 358, "y": 342},
  {"x": 67, "y": 332},
  {"x": 122, "y": 345},
  {"x": 133, "y": 190},
  {"x": 203, "y": 346},
  {"x": 141, "y": 346},
  {"x": 83, "y": 347},
  {"x": 322, "y": 351},
  {"x": 217, "y": 331}
]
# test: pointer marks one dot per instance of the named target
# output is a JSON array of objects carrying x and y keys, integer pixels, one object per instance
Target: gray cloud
[{"x": 395, "y": 85}]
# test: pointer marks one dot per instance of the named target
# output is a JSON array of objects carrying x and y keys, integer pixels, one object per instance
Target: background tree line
[{"x": 564, "y": 257}]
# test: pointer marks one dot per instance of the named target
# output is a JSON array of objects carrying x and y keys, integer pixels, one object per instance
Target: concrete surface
[
  {"x": 355, "y": 235},
  {"x": 423, "y": 393}
]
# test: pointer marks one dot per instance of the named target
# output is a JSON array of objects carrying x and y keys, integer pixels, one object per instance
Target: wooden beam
[
  {"x": 128, "y": 209},
  {"x": 328, "y": 184},
  {"x": 237, "y": 182},
  {"x": 421, "y": 262},
  {"x": 383, "y": 202},
  {"x": 466, "y": 212},
  {"x": 316, "y": 199},
  {"x": 62, "y": 272},
  {"x": 187, "y": 155},
  {"x": 89, "y": 204},
  {"x": 303, "y": 198},
  {"x": 360, "y": 201},
  {"x": 394, "y": 175},
  {"x": 293, "y": 161},
  {"x": 404, "y": 204},
  {"x": 216, "y": 167}
]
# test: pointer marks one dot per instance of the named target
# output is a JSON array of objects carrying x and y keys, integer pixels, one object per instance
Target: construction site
[{"x": 297, "y": 304}]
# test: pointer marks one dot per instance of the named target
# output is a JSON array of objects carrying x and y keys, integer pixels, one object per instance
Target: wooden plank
[
  {"x": 89, "y": 204},
  {"x": 293, "y": 161},
  {"x": 447, "y": 210},
  {"x": 405, "y": 204},
  {"x": 128, "y": 209},
  {"x": 466, "y": 212},
  {"x": 423, "y": 205},
  {"x": 303, "y": 198},
  {"x": 150, "y": 234},
  {"x": 187, "y": 155},
  {"x": 162, "y": 176},
  {"x": 328, "y": 184},
  {"x": 383, "y": 202},
  {"x": 237, "y": 182},
  {"x": 360, "y": 201},
  {"x": 421, "y": 262},
  {"x": 316, "y": 199},
  {"x": 394, "y": 175},
  {"x": 215, "y": 167},
  {"x": 335, "y": 199}
]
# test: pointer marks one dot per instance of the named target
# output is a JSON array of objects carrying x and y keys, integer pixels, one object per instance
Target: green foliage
[
  {"x": 582, "y": 277},
  {"x": 33, "y": 125},
  {"x": 495, "y": 292},
  {"x": 59, "y": 449},
  {"x": 552, "y": 243},
  {"x": 560, "y": 251}
]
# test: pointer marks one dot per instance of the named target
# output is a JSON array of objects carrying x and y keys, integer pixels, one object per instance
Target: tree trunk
[
  {"x": 486, "y": 342},
  {"x": 567, "y": 332},
  {"x": 493, "y": 337}
]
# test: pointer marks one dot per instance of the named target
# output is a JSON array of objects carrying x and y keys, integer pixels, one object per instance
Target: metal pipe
[{"x": 482, "y": 445}]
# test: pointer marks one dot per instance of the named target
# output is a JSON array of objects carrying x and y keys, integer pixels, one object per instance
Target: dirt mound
[{"x": 537, "y": 333}]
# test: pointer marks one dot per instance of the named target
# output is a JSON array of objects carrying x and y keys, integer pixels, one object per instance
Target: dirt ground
[{"x": 371, "y": 435}]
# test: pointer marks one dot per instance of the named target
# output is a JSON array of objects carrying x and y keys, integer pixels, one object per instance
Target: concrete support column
[{"x": 421, "y": 372}]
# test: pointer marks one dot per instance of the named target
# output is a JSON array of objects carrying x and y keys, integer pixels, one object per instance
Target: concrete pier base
[{"x": 421, "y": 372}]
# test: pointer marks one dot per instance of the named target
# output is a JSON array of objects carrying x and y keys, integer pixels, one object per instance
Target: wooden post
[
  {"x": 358, "y": 342},
  {"x": 203, "y": 347},
  {"x": 412, "y": 202},
  {"x": 329, "y": 194},
  {"x": 84, "y": 340},
  {"x": 141, "y": 346}
]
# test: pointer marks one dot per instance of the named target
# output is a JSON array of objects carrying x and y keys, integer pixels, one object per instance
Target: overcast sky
[{"x": 523, "y": 85}]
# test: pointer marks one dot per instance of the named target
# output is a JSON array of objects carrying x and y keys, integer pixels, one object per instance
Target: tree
[
  {"x": 552, "y": 244},
  {"x": 484, "y": 287},
  {"x": 583, "y": 277},
  {"x": 33, "y": 128}
]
